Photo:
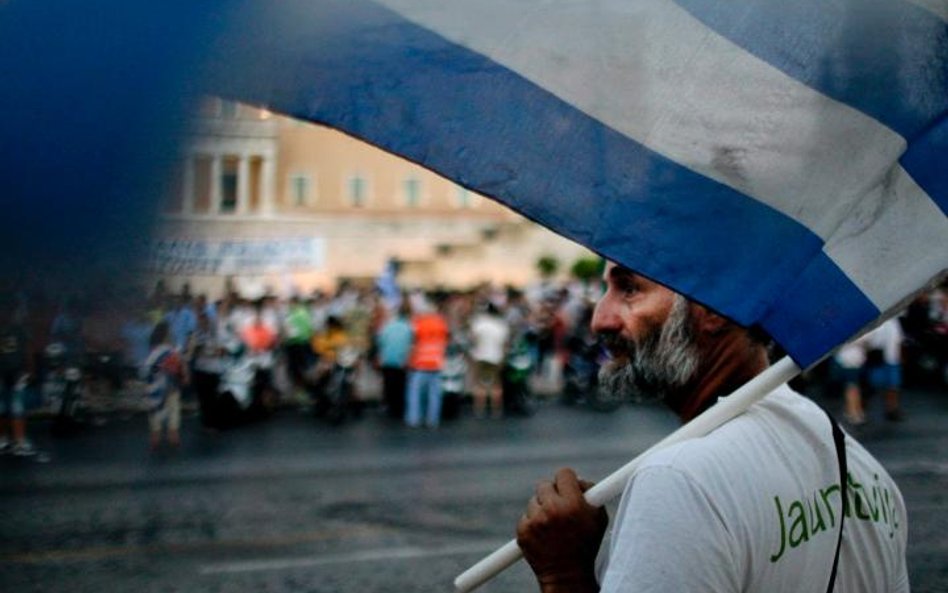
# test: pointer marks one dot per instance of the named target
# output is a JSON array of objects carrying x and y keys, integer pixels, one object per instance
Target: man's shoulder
[{"x": 783, "y": 420}]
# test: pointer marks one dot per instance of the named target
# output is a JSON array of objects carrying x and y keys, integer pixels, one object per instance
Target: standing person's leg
[
  {"x": 479, "y": 390},
  {"x": 17, "y": 414},
  {"x": 173, "y": 407},
  {"x": 155, "y": 420},
  {"x": 391, "y": 394},
  {"x": 434, "y": 399},
  {"x": 852, "y": 397},
  {"x": 399, "y": 381},
  {"x": 496, "y": 394},
  {"x": 893, "y": 386},
  {"x": 413, "y": 398}
]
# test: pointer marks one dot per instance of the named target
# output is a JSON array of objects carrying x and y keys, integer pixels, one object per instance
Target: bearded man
[{"x": 754, "y": 506}]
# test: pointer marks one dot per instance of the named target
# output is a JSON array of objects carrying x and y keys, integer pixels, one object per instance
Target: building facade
[{"x": 282, "y": 205}]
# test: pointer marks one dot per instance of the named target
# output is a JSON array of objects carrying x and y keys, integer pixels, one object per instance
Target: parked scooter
[
  {"x": 235, "y": 389},
  {"x": 61, "y": 386}
]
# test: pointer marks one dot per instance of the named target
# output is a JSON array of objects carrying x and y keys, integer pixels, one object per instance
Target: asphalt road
[{"x": 293, "y": 505}]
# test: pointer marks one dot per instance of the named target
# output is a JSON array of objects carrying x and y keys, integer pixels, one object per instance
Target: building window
[
  {"x": 229, "y": 185},
  {"x": 412, "y": 188},
  {"x": 465, "y": 198},
  {"x": 358, "y": 190},
  {"x": 300, "y": 187}
]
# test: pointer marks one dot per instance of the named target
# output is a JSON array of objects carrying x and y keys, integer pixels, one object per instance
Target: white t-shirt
[
  {"x": 888, "y": 338},
  {"x": 489, "y": 334},
  {"x": 754, "y": 507}
]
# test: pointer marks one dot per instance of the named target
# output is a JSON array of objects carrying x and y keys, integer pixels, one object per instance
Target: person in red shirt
[
  {"x": 425, "y": 363},
  {"x": 258, "y": 336}
]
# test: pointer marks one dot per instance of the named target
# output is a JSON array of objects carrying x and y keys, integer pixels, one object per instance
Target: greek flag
[{"x": 780, "y": 162}]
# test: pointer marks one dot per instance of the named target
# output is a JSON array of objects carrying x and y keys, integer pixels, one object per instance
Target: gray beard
[{"x": 660, "y": 362}]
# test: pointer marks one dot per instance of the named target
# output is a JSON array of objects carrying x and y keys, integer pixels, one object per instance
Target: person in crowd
[
  {"x": 202, "y": 305},
  {"x": 318, "y": 311},
  {"x": 67, "y": 330},
  {"x": 885, "y": 366},
  {"x": 394, "y": 346},
  {"x": 758, "y": 505},
  {"x": 136, "y": 338},
  {"x": 848, "y": 364},
  {"x": 298, "y": 332},
  {"x": 259, "y": 335},
  {"x": 15, "y": 371},
  {"x": 182, "y": 321},
  {"x": 326, "y": 345},
  {"x": 872, "y": 360},
  {"x": 490, "y": 335},
  {"x": 431, "y": 334},
  {"x": 165, "y": 373}
]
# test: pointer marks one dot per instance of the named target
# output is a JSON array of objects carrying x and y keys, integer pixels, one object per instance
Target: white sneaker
[{"x": 24, "y": 449}]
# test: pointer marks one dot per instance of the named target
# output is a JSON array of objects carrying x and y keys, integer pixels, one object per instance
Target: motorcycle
[
  {"x": 235, "y": 389},
  {"x": 62, "y": 387},
  {"x": 335, "y": 399}
]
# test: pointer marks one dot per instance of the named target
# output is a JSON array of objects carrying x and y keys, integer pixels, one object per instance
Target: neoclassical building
[{"x": 281, "y": 204}]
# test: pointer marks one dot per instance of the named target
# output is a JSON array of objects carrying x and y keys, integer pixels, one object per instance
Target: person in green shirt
[{"x": 298, "y": 331}]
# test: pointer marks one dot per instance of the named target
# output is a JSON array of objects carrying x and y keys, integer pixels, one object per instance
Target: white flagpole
[{"x": 613, "y": 485}]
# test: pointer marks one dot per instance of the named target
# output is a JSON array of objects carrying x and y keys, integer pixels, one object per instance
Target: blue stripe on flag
[
  {"x": 817, "y": 317},
  {"x": 926, "y": 160},
  {"x": 379, "y": 77}
]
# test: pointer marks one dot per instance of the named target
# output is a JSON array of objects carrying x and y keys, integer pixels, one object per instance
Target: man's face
[{"x": 648, "y": 331}]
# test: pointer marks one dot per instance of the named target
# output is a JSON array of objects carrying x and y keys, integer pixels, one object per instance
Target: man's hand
[{"x": 560, "y": 534}]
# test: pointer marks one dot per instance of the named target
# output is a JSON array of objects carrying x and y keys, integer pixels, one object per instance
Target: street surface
[{"x": 294, "y": 505}]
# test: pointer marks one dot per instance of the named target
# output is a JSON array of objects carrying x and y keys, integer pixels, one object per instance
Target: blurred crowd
[{"x": 418, "y": 354}]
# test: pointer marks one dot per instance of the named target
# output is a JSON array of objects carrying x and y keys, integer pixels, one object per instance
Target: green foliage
[
  {"x": 587, "y": 269},
  {"x": 548, "y": 265}
]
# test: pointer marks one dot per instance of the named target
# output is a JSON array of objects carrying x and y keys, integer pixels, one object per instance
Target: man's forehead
[{"x": 615, "y": 271}]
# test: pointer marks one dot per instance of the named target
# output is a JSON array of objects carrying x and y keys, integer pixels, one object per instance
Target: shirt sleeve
[{"x": 669, "y": 536}]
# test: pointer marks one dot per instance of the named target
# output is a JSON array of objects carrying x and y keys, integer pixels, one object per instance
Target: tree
[
  {"x": 587, "y": 269},
  {"x": 547, "y": 265}
]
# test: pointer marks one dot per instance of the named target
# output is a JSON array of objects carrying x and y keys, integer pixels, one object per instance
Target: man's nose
[{"x": 606, "y": 317}]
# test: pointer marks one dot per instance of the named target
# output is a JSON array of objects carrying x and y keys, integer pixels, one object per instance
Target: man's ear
[{"x": 707, "y": 321}]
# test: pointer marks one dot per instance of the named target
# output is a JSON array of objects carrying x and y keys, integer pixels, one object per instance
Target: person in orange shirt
[
  {"x": 258, "y": 336},
  {"x": 425, "y": 363}
]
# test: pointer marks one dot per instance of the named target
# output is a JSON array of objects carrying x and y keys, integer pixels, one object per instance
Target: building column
[
  {"x": 216, "y": 189},
  {"x": 243, "y": 184},
  {"x": 187, "y": 201},
  {"x": 266, "y": 185}
]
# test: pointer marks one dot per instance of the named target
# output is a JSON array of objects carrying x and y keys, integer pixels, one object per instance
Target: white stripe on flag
[
  {"x": 905, "y": 237},
  {"x": 693, "y": 96}
]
